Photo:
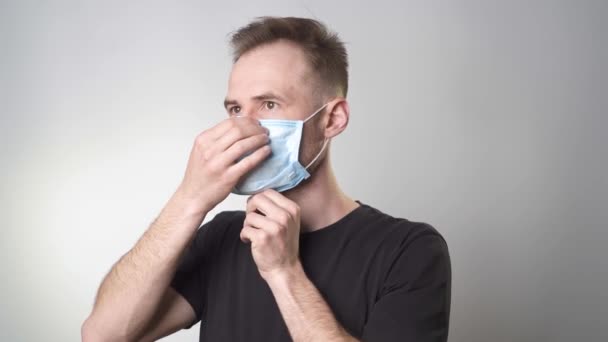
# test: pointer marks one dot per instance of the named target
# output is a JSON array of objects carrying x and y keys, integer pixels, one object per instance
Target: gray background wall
[{"x": 486, "y": 119}]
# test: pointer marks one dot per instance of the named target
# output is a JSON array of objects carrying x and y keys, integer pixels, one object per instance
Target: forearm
[
  {"x": 130, "y": 293},
  {"x": 306, "y": 314}
]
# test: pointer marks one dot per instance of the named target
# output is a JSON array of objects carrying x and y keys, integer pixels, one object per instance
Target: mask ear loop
[{"x": 315, "y": 113}]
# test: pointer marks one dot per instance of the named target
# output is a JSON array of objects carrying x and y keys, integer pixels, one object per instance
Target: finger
[
  {"x": 292, "y": 207},
  {"x": 250, "y": 234},
  {"x": 241, "y": 147},
  {"x": 241, "y": 128},
  {"x": 220, "y": 129},
  {"x": 262, "y": 203},
  {"x": 249, "y": 162},
  {"x": 262, "y": 222},
  {"x": 269, "y": 208},
  {"x": 208, "y": 139}
]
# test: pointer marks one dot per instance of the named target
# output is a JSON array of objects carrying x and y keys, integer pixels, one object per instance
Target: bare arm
[
  {"x": 133, "y": 289},
  {"x": 306, "y": 314},
  {"x": 135, "y": 293},
  {"x": 174, "y": 314}
]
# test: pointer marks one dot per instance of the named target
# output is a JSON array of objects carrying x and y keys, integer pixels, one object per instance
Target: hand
[
  {"x": 212, "y": 169},
  {"x": 272, "y": 226}
]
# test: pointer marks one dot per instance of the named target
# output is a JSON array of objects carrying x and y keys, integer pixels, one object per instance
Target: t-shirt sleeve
[
  {"x": 190, "y": 279},
  {"x": 414, "y": 301}
]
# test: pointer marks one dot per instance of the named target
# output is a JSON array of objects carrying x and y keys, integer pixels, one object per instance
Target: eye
[
  {"x": 234, "y": 110},
  {"x": 270, "y": 105}
]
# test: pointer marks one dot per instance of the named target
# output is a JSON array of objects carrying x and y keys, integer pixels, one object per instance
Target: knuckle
[
  {"x": 264, "y": 237},
  {"x": 284, "y": 218},
  {"x": 262, "y": 153},
  {"x": 206, "y": 154},
  {"x": 200, "y": 139},
  {"x": 296, "y": 209},
  {"x": 240, "y": 148},
  {"x": 278, "y": 228},
  {"x": 247, "y": 163}
]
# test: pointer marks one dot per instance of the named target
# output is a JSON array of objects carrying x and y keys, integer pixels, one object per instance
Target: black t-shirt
[{"x": 385, "y": 279}]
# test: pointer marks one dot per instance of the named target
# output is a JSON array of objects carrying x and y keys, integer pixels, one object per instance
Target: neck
[{"x": 320, "y": 198}]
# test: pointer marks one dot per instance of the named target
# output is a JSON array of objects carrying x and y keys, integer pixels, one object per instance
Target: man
[{"x": 303, "y": 261}]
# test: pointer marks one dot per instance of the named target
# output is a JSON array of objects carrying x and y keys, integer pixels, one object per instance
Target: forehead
[{"x": 279, "y": 66}]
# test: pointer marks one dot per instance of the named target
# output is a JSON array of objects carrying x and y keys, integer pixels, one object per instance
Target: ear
[{"x": 339, "y": 114}]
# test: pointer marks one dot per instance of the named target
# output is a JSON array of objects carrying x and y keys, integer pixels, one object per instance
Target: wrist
[
  {"x": 190, "y": 204},
  {"x": 182, "y": 211},
  {"x": 284, "y": 276}
]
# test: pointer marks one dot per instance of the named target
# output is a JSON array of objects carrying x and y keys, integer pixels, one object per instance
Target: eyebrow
[
  {"x": 262, "y": 97},
  {"x": 268, "y": 96},
  {"x": 228, "y": 102}
]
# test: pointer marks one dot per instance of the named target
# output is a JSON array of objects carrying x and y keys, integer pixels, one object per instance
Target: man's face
[{"x": 275, "y": 81}]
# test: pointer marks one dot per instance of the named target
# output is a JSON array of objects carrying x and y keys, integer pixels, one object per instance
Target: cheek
[{"x": 312, "y": 142}]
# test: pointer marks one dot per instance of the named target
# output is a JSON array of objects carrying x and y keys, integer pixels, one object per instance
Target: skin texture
[{"x": 135, "y": 302}]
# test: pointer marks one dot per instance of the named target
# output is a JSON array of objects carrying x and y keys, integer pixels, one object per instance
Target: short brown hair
[{"x": 324, "y": 49}]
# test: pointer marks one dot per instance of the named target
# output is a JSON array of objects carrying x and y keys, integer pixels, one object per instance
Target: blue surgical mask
[{"x": 282, "y": 170}]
